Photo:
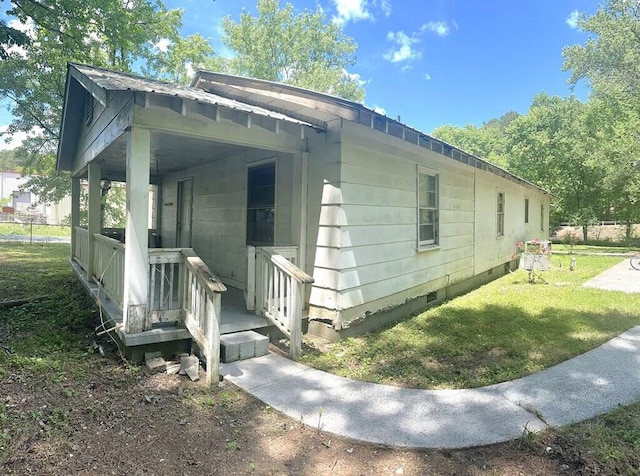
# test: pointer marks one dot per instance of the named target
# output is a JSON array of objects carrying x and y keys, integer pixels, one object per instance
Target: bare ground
[{"x": 105, "y": 417}]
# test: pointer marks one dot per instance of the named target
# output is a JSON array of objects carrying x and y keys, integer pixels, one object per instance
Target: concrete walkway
[{"x": 580, "y": 388}]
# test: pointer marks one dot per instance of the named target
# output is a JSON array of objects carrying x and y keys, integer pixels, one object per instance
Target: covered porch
[{"x": 213, "y": 277}]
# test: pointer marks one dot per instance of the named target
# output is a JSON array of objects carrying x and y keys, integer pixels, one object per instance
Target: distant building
[{"x": 17, "y": 205}]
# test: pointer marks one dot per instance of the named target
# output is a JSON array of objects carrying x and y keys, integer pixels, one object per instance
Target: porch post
[
  {"x": 93, "y": 215},
  {"x": 304, "y": 185},
  {"x": 75, "y": 213},
  {"x": 136, "y": 272}
]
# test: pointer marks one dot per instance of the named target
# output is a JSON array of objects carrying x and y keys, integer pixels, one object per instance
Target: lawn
[
  {"x": 506, "y": 329},
  {"x": 35, "y": 230},
  {"x": 65, "y": 409}
]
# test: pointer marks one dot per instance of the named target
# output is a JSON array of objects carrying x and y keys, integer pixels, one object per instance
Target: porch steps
[{"x": 242, "y": 345}]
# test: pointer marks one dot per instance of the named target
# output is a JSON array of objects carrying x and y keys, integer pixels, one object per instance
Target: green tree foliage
[
  {"x": 8, "y": 161},
  {"x": 107, "y": 33},
  {"x": 557, "y": 146},
  {"x": 302, "y": 49},
  {"x": 183, "y": 56},
  {"x": 610, "y": 59},
  {"x": 610, "y": 63},
  {"x": 487, "y": 141}
]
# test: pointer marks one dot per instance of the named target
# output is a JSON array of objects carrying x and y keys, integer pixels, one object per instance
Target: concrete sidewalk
[
  {"x": 621, "y": 277},
  {"x": 580, "y": 388}
]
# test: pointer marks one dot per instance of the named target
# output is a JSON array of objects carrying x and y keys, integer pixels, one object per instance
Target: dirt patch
[{"x": 112, "y": 419}]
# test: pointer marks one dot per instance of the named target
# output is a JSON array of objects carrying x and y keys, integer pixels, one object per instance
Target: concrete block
[
  {"x": 191, "y": 366},
  {"x": 262, "y": 345},
  {"x": 242, "y": 345},
  {"x": 156, "y": 364},
  {"x": 247, "y": 349}
]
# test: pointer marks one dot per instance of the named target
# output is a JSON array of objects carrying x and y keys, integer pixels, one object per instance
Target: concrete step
[{"x": 242, "y": 345}]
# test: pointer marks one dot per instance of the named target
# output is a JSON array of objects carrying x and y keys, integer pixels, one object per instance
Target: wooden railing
[
  {"x": 108, "y": 266},
  {"x": 165, "y": 266},
  {"x": 201, "y": 296},
  {"x": 81, "y": 250},
  {"x": 280, "y": 294},
  {"x": 181, "y": 289}
]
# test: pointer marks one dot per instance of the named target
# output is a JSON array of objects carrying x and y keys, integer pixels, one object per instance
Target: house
[{"x": 303, "y": 204}]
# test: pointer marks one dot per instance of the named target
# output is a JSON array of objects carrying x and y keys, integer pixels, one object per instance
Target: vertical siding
[{"x": 219, "y": 211}]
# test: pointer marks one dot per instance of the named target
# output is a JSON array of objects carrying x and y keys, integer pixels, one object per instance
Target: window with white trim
[
  {"x": 428, "y": 226},
  {"x": 500, "y": 214}
]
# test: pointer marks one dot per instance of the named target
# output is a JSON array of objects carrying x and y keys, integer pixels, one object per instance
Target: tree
[
  {"x": 487, "y": 141},
  {"x": 302, "y": 49},
  {"x": 556, "y": 145},
  {"x": 610, "y": 60},
  {"x": 107, "y": 33},
  {"x": 610, "y": 63},
  {"x": 10, "y": 37},
  {"x": 183, "y": 57}
]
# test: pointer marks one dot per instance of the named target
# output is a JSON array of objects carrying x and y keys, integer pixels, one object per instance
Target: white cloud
[
  {"x": 15, "y": 141},
  {"x": 572, "y": 19},
  {"x": 191, "y": 72},
  {"x": 351, "y": 10},
  {"x": 28, "y": 27},
  {"x": 385, "y": 6},
  {"x": 163, "y": 44},
  {"x": 380, "y": 110},
  {"x": 404, "y": 49},
  {"x": 355, "y": 77},
  {"x": 440, "y": 28},
  {"x": 427, "y": 76}
]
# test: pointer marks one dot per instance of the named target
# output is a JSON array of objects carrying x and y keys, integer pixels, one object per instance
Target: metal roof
[{"x": 116, "y": 81}]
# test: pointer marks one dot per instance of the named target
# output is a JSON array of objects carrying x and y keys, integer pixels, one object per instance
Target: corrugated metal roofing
[{"x": 116, "y": 81}]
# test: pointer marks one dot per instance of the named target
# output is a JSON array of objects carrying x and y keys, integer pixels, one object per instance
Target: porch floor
[{"x": 234, "y": 315}]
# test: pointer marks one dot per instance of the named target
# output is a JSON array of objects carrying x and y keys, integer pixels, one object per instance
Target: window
[
  {"x": 526, "y": 210},
  {"x": 542, "y": 216},
  {"x": 427, "y": 208},
  {"x": 500, "y": 214},
  {"x": 261, "y": 194}
]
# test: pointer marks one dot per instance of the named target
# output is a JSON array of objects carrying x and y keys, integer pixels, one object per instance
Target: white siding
[
  {"x": 367, "y": 257},
  {"x": 367, "y": 242},
  {"x": 219, "y": 211}
]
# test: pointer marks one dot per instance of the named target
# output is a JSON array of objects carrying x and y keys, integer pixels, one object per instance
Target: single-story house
[{"x": 304, "y": 204}]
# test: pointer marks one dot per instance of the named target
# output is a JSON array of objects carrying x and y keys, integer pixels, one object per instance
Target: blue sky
[{"x": 435, "y": 62}]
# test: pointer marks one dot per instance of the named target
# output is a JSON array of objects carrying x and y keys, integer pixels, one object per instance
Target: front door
[
  {"x": 261, "y": 211},
  {"x": 183, "y": 225}
]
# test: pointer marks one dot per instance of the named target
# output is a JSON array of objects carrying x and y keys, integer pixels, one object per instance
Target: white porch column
[
  {"x": 93, "y": 215},
  {"x": 75, "y": 213},
  {"x": 136, "y": 270}
]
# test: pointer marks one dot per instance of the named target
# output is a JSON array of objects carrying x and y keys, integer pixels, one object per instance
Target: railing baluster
[
  {"x": 161, "y": 304},
  {"x": 152, "y": 287},
  {"x": 171, "y": 286}
]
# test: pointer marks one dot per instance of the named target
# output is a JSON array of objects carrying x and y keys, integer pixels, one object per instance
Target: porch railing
[
  {"x": 81, "y": 250},
  {"x": 200, "y": 293},
  {"x": 280, "y": 294},
  {"x": 181, "y": 289},
  {"x": 108, "y": 266}
]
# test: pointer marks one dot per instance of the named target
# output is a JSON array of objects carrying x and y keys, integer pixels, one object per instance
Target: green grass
[
  {"x": 606, "y": 444},
  {"x": 506, "y": 329},
  {"x": 41, "y": 336},
  {"x": 37, "y": 230}
]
